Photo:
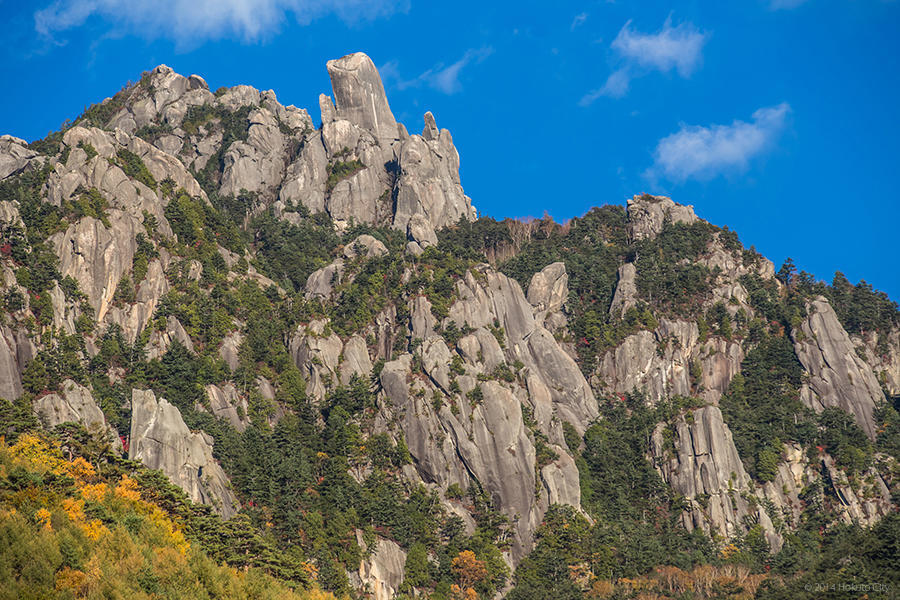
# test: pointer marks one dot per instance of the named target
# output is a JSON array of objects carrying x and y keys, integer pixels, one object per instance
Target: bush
[
  {"x": 340, "y": 170},
  {"x": 134, "y": 167}
]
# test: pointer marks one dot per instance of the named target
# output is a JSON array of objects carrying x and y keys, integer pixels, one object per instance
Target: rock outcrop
[
  {"x": 161, "y": 440},
  {"x": 75, "y": 404},
  {"x": 16, "y": 351},
  {"x": 626, "y": 290},
  {"x": 648, "y": 214},
  {"x": 478, "y": 435},
  {"x": 704, "y": 466},
  {"x": 659, "y": 363},
  {"x": 227, "y": 404},
  {"x": 548, "y": 293},
  {"x": 380, "y": 575},
  {"x": 477, "y": 379},
  {"x": 359, "y": 96},
  {"x": 14, "y": 155},
  {"x": 837, "y": 375}
]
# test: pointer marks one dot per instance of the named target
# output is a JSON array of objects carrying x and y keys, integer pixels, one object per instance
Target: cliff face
[
  {"x": 152, "y": 258},
  {"x": 161, "y": 440},
  {"x": 837, "y": 375}
]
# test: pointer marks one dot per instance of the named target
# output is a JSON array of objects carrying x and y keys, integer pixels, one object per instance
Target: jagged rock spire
[{"x": 359, "y": 95}]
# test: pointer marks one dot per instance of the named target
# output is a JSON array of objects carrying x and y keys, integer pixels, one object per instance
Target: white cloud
[
  {"x": 188, "y": 22},
  {"x": 578, "y": 20},
  {"x": 616, "y": 86},
  {"x": 704, "y": 152},
  {"x": 676, "y": 47},
  {"x": 440, "y": 77}
]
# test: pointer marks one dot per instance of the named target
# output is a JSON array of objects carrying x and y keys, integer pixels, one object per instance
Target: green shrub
[
  {"x": 340, "y": 170},
  {"x": 134, "y": 167}
]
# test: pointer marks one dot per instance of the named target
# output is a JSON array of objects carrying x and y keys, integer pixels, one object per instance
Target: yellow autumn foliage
[{"x": 68, "y": 532}]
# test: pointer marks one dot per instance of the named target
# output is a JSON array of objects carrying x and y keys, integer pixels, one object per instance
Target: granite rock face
[
  {"x": 381, "y": 575},
  {"x": 659, "y": 363},
  {"x": 317, "y": 354},
  {"x": 548, "y": 293},
  {"x": 359, "y": 96},
  {"x": 227, "y": 404},
  {"x": 14, "y": 155},
  {"x": 704, "y": 466},
  {"x": 161, "y": 440},
  {"x": 478, "y": 435},
  {"x": 16, "y": 351},
  {"x": 882, "y": 353},
  {"x": 626, "y": 290},
  {"x": 837, "y": 375},
  {"x": 648, "y": 214},
  {"x": 75, "y": 404}
]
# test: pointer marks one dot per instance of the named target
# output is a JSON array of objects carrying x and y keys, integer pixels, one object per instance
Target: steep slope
[{"x": 308, "y": 330}]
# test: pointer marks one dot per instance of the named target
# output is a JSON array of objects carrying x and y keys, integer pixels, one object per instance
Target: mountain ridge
[{"x": 325, "y": 301}]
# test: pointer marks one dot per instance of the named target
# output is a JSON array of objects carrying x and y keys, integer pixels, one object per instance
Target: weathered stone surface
[
  {"x": 230, "y": 348},
  {"x": 382, "y": 573},
  {"x": 494, "y": 297},
  {"x": 160, "y": 341},
  {"x": 161, "y": 440},
  {"x": 133, "y": 318},
  {"x": 797, "y": 472},
  {"x": 548, "y": 293},
  {"x": 304, "y": 181},
  {"x": 359, "y": 95},
  {"x": 706, "y": 469},
  {"x": 14, "y": 155},
  {"x": 659, "y": 363},
  {"x": 75, "y": 404},
  {"x": 226, "y": 404},
  {"x": 419, "y": 230},
  {"x": 882, "y": 352},
  {"x": 322, "y": 282},
  {"x": 647, "y": 214},
  {"x": 16, "y": 351},
  {"x": 355, "y": 359},
  {"x": 429, "y": 183},
  {"x": 626, "y": 290},
  {"x": 422, "y": 319},
  {"x": 165, "y": 99},
  {"x": 365, "y": 245},
  {"x": 837, "y": 375},
  {"x": 258, "y": 164},
  {"x": 486, "y": 440},
  {"x": 97, "y": 257},
  {"x": 317, "y": 356}
]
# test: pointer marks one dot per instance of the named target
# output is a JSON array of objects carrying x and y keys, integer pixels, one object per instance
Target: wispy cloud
[
  {"x": 696, "y": 152},
  {"x": 674, "y": 47},
  {"x": 441, "y": 77},
  {"x": 578, "y": 21},
  {"x": 188, "y": 22},
  {"x": 616, "y": 86}
]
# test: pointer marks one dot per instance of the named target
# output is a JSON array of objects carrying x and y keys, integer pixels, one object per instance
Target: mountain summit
[{"x": 356, "y": 383}]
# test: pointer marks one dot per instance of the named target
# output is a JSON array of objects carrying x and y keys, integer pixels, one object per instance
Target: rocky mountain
[{"x": 309, "y": 329}]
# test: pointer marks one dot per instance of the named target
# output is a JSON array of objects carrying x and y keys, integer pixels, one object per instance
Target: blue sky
[{"x": 778, "y": 118}]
